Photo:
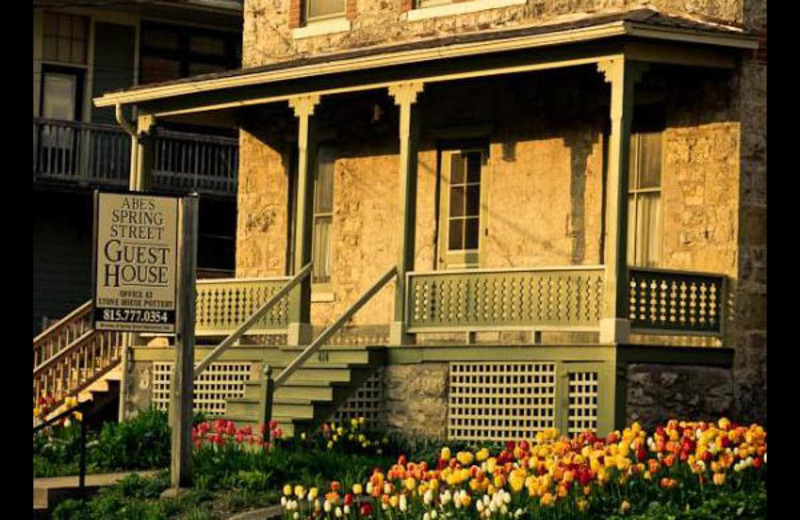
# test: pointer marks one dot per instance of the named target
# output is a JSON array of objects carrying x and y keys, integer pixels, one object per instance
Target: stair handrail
[
  {"x": 250, "y": 321},
  {"x": 79, "y": 311},
  {"x": 64, "y": 351},
  {"x": 333, "y": 328}
]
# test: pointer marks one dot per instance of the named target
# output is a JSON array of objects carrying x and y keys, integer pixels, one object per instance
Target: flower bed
[{"x": 681, "y": 467}]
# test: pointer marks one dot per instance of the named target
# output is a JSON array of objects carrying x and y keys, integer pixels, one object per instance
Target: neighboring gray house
[{"x": 81, "y": 50}]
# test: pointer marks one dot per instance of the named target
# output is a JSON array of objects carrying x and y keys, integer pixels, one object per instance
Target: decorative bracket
[
  {"x": 304, "y": 105},
  {"x": 614, "y": 68},
  {"x": 406, "y": 93}
]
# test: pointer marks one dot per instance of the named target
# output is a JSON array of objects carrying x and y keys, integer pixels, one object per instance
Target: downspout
[
  {"x": 133, "y": 176},
  {"x": 129, "y": 338}
]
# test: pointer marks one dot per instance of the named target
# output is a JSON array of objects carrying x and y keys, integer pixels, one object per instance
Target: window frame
[
  {"x": 86, "y": 40},
  {"x": 467, "y": 258},
  {"x": 308, "y": 19}
]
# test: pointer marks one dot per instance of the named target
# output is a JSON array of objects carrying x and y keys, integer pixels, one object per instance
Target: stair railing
[
  {"x": 76, "y": 366},
  {"x": 333, "y": 328},
  {"x": 249, "y": 322},
  {"x": 62, "y": 333}
]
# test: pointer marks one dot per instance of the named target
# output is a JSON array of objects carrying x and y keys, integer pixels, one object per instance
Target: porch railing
[
  {"x": 225, "y": 303},
  {"x": 676, "y": 302},
  {"x": 99, "y": 155},
  {"x": 497, "y": 299}
]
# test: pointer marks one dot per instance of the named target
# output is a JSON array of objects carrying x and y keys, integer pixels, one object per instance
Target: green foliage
[
  {"x": 741, "y": 505},
  {"x": 141, "y": 443}
]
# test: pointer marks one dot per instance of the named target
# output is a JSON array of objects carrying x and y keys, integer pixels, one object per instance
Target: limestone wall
[
  {"x": 416, "y": 399},
  {"x": 268, "y": 33},
  {"x": 657, "y": 393}
]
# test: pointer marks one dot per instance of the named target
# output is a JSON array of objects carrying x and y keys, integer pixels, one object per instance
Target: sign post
[
  {"x": 183, "y": 371},
  {"x": 145, "y": 263}
]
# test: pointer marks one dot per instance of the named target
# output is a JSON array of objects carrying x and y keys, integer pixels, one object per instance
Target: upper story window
[
  {"x": 171, "y": 52},
  {"x": 324, "y": 9},
  {"x": 65, "y": 38}
]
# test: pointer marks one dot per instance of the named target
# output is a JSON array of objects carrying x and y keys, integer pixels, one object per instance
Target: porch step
[{"x": 312, "y": 393}]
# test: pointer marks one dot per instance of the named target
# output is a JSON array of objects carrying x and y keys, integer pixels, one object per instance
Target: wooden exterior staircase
[
  {"x": 312, "y": 393},
  {"x": 70, "y": 359}
]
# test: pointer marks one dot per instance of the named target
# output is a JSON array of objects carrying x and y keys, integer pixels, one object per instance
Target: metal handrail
[
  {"x": 83, "y": 408},
  {"x": 249, "y": 322},
  {"x": 332, "y": 329}
]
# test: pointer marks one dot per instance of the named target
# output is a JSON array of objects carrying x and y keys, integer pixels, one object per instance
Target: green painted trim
[
  {"x": 412, "y": 354},
  {"x": 238, "y": 353},
  {"x": 703, "y": 356}
]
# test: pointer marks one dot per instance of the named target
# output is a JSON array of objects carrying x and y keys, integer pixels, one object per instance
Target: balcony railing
[
  {"x": 498, "y": 299},
  {"x": 97, "y": 155},
  {"x": 676, "y": 302}
]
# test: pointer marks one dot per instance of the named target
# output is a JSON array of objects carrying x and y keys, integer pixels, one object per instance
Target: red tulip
[
  {"x": 366, "y": 509},
  {"x": 348, "y": 499}
]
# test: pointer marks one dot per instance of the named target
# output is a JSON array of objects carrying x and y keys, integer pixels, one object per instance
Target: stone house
[{"x": 554, "y": 212}]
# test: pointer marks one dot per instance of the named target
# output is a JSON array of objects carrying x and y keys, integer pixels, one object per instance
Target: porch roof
[{"x": 638, "y": 25}]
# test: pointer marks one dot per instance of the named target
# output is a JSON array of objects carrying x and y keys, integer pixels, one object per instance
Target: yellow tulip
[
  {"x": 287, "y": 490},
  {"x": 445, "y": 453},
  {"x": 410, "y": 484},
  {"x": 546, "y": 500},
  {"x": 719, "y": 479},
  {"x": 482, "y": 455},
  {"x": 464, "y": 458},
  {"x": 357, "y": 489}
]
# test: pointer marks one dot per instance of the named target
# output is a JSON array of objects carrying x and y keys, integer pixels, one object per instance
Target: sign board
[{"x": 135, "y": 260}]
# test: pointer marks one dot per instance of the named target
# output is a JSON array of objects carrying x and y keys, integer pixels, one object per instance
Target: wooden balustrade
[
  {"x": 77, "y": 365},
  {"x": 498, "y": 299},
  {"x": 225, "y": 303},
  {"x": 204, "y": 163},
  {"x": 99, "y": 155},
  {"x": 670, "y": 302},
  {"x": 62, "y": 334}
]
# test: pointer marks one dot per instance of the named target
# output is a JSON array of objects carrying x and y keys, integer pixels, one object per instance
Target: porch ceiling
[{"x": 642, "y": 35}]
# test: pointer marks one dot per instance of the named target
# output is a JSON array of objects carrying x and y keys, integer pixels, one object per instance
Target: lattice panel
[
  {"x": 366, "y": 402},
  {"x": 582, "y": 393},
  {"x": 501, "y": 401},
  {"x": 223, "y": 304},
  {"x": 562, "y": 298},
  {"x": 217, "y": 383},
  {"x": 665, "y": 300}
]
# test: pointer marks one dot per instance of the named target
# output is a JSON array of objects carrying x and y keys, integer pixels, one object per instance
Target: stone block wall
[
  {"x": 268, "y": 24},
  {"x": 657, "y": 393},
  {"x": 416, "y": 399}
]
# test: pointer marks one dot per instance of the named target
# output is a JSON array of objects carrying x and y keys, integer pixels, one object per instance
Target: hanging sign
[{"x": 135, "y": 259}]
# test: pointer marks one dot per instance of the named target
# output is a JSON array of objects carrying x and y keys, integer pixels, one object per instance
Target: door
[
  {"x": 61, "y": 94},
  {"x": 463, "y": 170}
]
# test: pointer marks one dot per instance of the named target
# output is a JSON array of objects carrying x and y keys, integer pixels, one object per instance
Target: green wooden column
[
  {"x": 300, "y": 298},
  {"x": 405, "y": 97},
  {"x": 622, "y": 74}
]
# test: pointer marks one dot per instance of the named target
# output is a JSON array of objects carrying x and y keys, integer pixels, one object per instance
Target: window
[
  {"x": 463, "y": 169},
  {"x": 323, "y": 215},
  {"x": 60, "y": 95},
  {"x": 65, "y": 38},
  {"x": 324, "y": 9},
  {"x": 171, "y": 52},
  {"x": 465, "y": 198},
  {"x": 644, "y": 200}
]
